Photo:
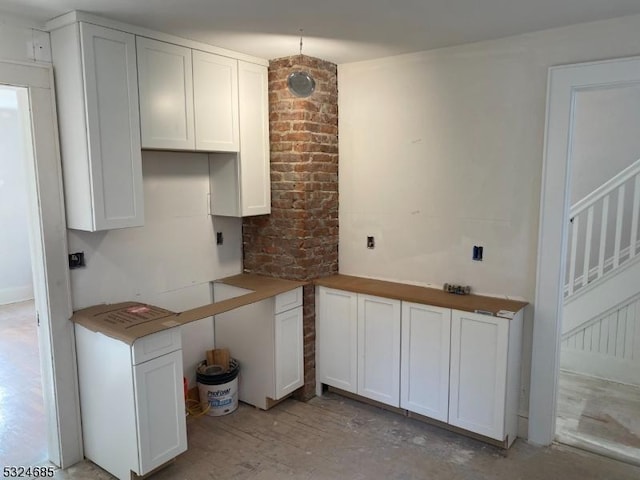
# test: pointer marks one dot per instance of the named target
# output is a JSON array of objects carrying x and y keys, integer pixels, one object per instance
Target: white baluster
[
  {"x": 618, "y": 240},
  {"x": 603, "y": 235},
  {"x": 574, "y": 248},
  {"x": 634, "y": 217},
  {"x": 587, "y": 247}
]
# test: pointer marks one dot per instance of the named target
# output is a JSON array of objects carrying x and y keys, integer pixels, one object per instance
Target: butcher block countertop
[
  {"x": 129, "y": 321},
  {"x": 263, "y": 287},
  {"x": 424, "y": 295}
]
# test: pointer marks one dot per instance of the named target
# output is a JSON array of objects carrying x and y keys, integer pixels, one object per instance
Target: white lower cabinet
[
  {"x": 337, "y": 332},
  {"x": 379, "y": 349},
  {"x": 267, "y": 340},
  {"x": 289, "y": 351},
  {"x": 426, "y": 333},
  {"x": 479, "y": 350},
  {"x": 359, "y": 344},
  {"x": 132, "y": 400},
  {"x": 160, "y": 407},
  {"x": 456, "y": 367}
]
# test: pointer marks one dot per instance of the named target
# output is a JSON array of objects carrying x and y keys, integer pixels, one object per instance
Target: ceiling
[{"x": 340, "y": 31}]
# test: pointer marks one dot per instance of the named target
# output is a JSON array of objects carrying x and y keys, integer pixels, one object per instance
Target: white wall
[
  {"x": 172, "y": 259},
  {"x": 605, "y": 136},
  {"x": 23, "y": 40},
  {"x": 16, "y": 282},
  {"x": 442, "y": 150}
]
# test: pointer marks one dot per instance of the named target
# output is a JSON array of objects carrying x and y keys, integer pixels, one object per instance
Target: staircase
[{"x": 601, "y": 316}]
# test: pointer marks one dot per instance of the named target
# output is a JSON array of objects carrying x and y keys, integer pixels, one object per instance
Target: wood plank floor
[
  {"x": 22, "y": 420},
  {"x": 327, "y": 438},
  {"x": 599, "y": 415},
  {"x": 337, "y": 438}
]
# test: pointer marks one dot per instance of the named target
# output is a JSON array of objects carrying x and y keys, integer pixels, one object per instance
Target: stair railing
[{"x": 599, "y": 201}]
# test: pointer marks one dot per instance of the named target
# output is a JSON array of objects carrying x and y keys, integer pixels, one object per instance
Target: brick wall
[{"x": 299, "y": 240}]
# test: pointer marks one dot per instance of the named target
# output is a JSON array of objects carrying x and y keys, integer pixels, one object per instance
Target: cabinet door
[
  {"x": 337, "y": 332},
  {"x": 159, "y": 397},
  {"x": 215, "y": 96},
  {"x": 113, "y": 133},
  {"x": 255, "y": 180},
  {"x": 379, "y": 349},
  {"x": 479, "y": 347},
  {"x": 426, "y": 333},
  {"x": 166, "y": 95},
  {"x": 289, "y": 352}
]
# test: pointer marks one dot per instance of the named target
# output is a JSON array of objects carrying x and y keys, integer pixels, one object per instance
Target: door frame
[
  {"x": 563, "y": 82},
  {"x": 48, "y": 238}
]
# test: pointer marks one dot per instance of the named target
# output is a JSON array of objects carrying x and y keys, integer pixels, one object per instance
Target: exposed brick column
[{"x": 299, "y": 240}]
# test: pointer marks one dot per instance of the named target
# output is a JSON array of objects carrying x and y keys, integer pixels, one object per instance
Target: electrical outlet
[
  {"x": 371, "y": 243},
  {"x": 76, "y": 260},
  {"x": 477, "y": 253},
  {"x": 219, "y": 238}
]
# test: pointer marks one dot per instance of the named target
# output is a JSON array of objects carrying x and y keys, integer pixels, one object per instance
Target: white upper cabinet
[
  {"x": 215, "y": 93},
  {"x": 121, "y": 89},
  {"x": 97, "y": 100},
  {"x": 255, "y": 170},
  {"x": 166, "y": 95},
  {"x": 188, "y": 98},
  {"x": 241, "y": 183}
]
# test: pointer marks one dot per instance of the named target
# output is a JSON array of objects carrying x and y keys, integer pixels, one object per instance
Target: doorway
[
  {"x": 33, "y": 86},
  {"x": 23, "y": 439},
  {"x": 588, "y": 273},
  {"x": 599, "y": 380}
]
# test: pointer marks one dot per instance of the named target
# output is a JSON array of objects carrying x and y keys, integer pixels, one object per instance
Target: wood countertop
[
  {"x": 416, "y": 294},
  {"x": 129, "y": 321},
  {"x": 263, "y": 287}
]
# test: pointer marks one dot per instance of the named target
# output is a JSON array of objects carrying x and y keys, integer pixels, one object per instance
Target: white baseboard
[
  {"x": 601, "y": 366},
  {"x": 16, "y": 294}
]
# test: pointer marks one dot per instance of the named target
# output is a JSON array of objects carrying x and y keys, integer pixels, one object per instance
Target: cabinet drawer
[
  {"x": 156, "y": 344},
  {"x": 288, "y": 300}
]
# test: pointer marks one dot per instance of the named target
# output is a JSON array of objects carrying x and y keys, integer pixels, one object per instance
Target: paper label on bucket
[{"x": 220, "y": 399}]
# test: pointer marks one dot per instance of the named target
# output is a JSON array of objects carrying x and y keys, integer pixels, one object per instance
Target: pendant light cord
[{"x": 301, "y": 31}]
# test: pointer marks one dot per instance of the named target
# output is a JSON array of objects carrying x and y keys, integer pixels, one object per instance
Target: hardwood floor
[
  {"x": 599, "y": 416},
  {"x": 22, "y": 420},
  {"x": 337, "y": 438},
  {"x": 331, "y": 437}
]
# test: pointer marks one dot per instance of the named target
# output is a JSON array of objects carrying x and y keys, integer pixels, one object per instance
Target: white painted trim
[
  {"x": 599, "y": 296},
  {"x": 606, "y": 188},
  {"x": 607, "y": 267},
  {"x": 599, "y": 317},
  {"x": 601, "y": 366},
  {"x": 563, "y": 82},
  {"x": 49, "y": 259},
  {"x": 79, "y": 16}
]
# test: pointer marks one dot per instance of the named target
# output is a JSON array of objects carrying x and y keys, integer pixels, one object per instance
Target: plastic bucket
[{"x": 219, "y": 391}]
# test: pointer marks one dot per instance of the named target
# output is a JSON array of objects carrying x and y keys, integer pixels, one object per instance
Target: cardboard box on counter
[{"x": 129, "y": 321}]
